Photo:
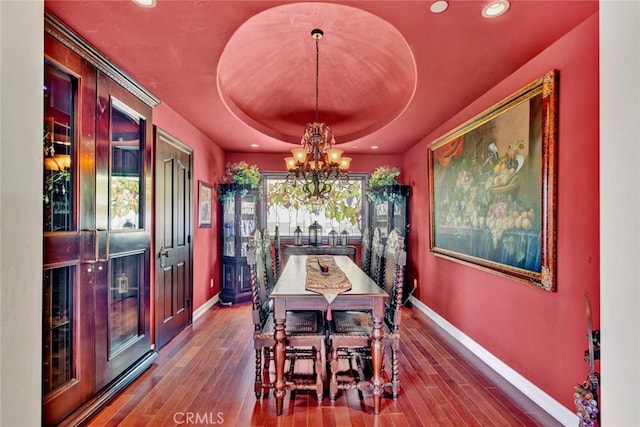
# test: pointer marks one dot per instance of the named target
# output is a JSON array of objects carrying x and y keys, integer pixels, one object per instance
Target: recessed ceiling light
[
  {"x": 145, "y": 3},
  {"x": 439, "y": 6},
  {"x": 255, "y": 145},
  {"x": 374, "y": 147},
  {"x": 495, "y": 8}
]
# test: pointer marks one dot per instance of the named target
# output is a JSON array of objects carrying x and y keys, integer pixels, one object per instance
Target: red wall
[
  {"x": 208, "y": 166},
  {"x": 540, "y": 334}
]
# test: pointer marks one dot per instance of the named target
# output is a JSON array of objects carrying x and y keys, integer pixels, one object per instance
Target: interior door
[
  {"x": 174, "y": 208},
  {"x": 69, "y": 235},
  {"x": 123, "y": 221}
]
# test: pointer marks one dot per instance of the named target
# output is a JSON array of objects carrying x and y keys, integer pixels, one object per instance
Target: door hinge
[
  {"x": 188, "y": 302},
  {"x": 189, "y": 239},
  {"x": 188, "y": 174}
]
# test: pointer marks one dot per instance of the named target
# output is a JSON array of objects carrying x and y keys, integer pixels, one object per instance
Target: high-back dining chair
[
  {"x": 377, "y": 248},
  {"x": 350, "y": 331},
  {"x": 305, "y": 332},
  {"x": 365, "y": 257}
]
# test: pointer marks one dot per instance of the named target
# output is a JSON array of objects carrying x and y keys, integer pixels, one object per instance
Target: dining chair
[
  {"x": 365, "y": 257},
  {"x": 305, "y": 333},
  {"x": 377, "y": 248},
  {"x": 349, "y": 331}
]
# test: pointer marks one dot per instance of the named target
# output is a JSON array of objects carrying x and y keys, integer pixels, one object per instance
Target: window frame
[{"x": 288, "y": 238}]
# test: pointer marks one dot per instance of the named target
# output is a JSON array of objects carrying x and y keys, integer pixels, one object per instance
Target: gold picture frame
[
  {"x": 492, "y": 187},
  {"x": 204, "y": 204}
]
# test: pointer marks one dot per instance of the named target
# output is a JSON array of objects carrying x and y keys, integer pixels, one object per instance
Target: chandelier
[{"x": 317, "y": 166}]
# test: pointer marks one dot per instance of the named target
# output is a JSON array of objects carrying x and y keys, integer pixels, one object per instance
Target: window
[{"x": 287, "y": 208}]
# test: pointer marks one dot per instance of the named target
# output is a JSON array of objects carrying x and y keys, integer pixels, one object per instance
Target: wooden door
[
  {"x": 123, "y": 217},
  {"x": 69, "y": 235},
  {"x": 174, "y": 213}
]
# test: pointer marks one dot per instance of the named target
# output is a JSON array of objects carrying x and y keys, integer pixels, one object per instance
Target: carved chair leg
[
  {"x": 319, "y": 373},
  {"x": 266, "y": 377},
  {"x": 333, "y": 386},
  {"x": 395, "y": 368},
  {"x": 257, "y": 387}
]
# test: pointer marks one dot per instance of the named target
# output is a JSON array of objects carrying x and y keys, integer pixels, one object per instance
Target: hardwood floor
[{"x": 204, "y": 376}]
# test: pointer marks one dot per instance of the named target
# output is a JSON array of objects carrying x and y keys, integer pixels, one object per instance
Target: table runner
[{"x": 329, "y": 285}]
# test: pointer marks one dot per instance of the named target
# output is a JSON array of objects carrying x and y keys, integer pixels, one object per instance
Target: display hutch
[
  {"x": 388, "y": 210},
  {"x": 239, "y": 208}
]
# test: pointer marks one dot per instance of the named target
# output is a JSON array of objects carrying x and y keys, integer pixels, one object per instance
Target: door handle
[
  {"x": 164, "y": 253},
  {"x": 96, "y": 241},
  {"x": 106, "y": 257}
]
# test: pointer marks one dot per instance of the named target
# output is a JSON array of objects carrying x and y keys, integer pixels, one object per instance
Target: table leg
[
  {"x": 278, "y": 359},
  {"x": 376, "y": 361}
]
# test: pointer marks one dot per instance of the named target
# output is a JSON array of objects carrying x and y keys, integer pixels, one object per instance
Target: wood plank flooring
[{"x": 204, "y": 376}]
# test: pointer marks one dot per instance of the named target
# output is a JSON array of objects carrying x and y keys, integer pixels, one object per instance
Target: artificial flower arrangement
[
  {"x": 240, "y": 175},
  {"x": 383, "y": 185}
]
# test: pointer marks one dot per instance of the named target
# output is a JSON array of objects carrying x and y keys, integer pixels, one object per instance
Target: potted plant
[
  {"x": 384, "y": 186},
  {"x": 238, "y": 176}
]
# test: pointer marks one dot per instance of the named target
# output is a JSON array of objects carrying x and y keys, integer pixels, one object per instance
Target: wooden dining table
[{"x": 290, "y": 293}]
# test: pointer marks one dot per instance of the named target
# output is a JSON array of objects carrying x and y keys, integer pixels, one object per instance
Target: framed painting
[
  {"x": 204, "y": 205},
  {"x": 492, "y": 184}
]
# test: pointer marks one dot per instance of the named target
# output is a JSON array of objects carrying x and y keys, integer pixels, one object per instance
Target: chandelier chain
[
  {"x": 317, "y": 166},
  {"x": 317, "y": 76}
]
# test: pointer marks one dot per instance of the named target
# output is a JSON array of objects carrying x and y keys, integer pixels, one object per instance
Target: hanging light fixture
[{"x": 317, "y": 166}]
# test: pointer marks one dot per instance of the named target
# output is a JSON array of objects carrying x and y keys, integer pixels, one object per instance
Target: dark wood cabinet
[
  {"x": 239, "y": 210},
  {"x": 97, "y": 131},
  {"x": 390, "y": 211}
]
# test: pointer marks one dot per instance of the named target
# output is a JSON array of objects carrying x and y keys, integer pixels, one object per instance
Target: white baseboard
[
  {"x": 206, "y": 306},
  {"x": 537, "y": 395}
]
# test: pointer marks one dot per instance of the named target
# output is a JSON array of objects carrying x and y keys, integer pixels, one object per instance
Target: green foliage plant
[
  {"x": 383, "y": 185},
  {"x": 242, "y": 176}
]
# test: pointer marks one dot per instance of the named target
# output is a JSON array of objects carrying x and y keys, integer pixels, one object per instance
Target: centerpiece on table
[
  {"x": 384, "y": 186},
  {"x": 239, "y": 176}
]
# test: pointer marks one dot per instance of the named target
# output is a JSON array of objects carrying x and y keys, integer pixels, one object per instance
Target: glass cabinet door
[
  {"x": 124, "y": 323},
  {"x": 247, "y": 221},
  {"x": 229, "y": 227},
  {"x": 125, "y": 170},
  {"x": 123, "y": 220},
  {"x": 57, "y": 329},
  {"x": 58, "y": 207},
  {"x": 59, "y": 169},
  {"x": 69, "y": 241}
]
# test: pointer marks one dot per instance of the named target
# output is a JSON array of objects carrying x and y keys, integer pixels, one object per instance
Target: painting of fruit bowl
[{"x": 492, "y": 187}]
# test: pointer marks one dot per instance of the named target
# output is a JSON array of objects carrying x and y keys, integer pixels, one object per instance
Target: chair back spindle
[
  {"x": 278, "y": 254},
  {"x": 260, "y": 300},
  {"x": 365, "y": 258},
  {"x": 377, "y": 249},
  {"x": 268, "y": 261},
  {"x": 394, "y": 268}
]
